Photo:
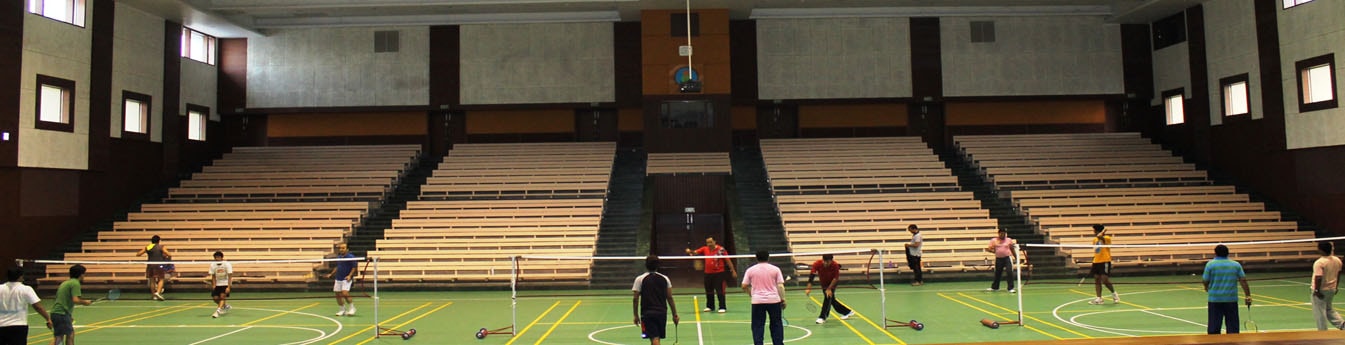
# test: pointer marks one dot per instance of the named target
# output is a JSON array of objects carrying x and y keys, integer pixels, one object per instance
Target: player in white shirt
[
  {"x": 220, "y": 271},
  {"x": 15, "y": 299}
]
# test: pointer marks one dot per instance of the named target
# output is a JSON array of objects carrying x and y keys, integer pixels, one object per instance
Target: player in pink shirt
[
  {"x": 766, "y": 285},
  {"x": 1002, "y": 246}
]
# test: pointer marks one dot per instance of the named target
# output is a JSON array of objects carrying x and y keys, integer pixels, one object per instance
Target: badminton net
[{"x": 188, "y": 278}]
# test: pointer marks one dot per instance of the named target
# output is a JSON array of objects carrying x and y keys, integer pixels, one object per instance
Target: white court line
[
  {"x": 1173, "y": 318},
  {"x": 221, "y": 335},
  {"x": 700, "y": 334}
]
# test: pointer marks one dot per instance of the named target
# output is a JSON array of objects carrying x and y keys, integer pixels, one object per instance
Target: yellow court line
[
  {"x": 993, "y": 314},
  {"x": 408, "y": 322},
  {"x": 534, "y": 322},
  {"x": 152, "y": 311},
  {"x": 866, "y": 319},
  {"x": 367, "y": 328},
  {"x": 253, "y": 322},
  {"x": 846, "y": 324},
  {"x": 156, "y": 313},
  {"x": 1289, "y": 303},
  {"x": 557, "y": 324},
  {"x": 1027, "y": 316}
]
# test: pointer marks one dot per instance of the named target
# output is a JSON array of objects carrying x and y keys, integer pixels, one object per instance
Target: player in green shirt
[{"x": 62, "y": 325}]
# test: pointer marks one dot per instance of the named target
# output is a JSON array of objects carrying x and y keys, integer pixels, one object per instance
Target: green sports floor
[{"x": 951, "y": 311}]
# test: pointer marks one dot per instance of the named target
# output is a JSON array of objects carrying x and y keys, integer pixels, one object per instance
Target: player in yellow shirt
[{"x": 1102, "y": 265}]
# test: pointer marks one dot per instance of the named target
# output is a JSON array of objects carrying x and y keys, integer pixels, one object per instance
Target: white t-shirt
[
  {"x": 15, "y": 299},
  {"x": 917, "y": 241},
  {"x": 221, "y": 270}
]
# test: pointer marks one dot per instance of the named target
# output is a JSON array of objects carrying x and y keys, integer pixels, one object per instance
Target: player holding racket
[
  {"x": 220, "y": 271},
  {"x": 653, "y": 299},
  {"x": 1221, "y": 279},
  {"x": 1102, "y": 265},
  {"x": 62, "y": 312},
  {"x": 830, "y": 271}
]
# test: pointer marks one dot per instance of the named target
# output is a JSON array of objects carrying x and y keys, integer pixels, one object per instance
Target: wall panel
[
  {"x": 59, "y": 50},
  {"x": 346, "y": 124},
  {"x": 833, "y": 58},
  {"x": 334, "y": 67},
  {"x": 1059, "y": 55},
  {"x": 137, "y": 66},
  {"x": 537, "y": 63},
  {"x": 1310, "y": 30}
]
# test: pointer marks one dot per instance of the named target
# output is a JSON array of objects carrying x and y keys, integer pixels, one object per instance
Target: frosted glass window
[
  {"x": 198, "y": 46},
  {"x": 69, "y": 11},
  {"x": 196, "y": 122},
  {"x": 53, "y": 104},
  {"x": 1317, "y": 84},
  {"x": 135, "y": 116},
  {"x": 1292, "y": 3},
  {"x": 1176, "y": 111},
  {"x": 1235, "y": 99}
]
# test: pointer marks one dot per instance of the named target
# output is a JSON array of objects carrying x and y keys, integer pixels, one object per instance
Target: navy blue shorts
[
  {"x": 62, "y": 325},
  {"x": 655, "y": 325}
]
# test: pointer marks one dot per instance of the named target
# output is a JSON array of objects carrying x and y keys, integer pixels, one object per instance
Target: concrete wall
[
  {"x": 332, "y": 67},
  {"x": 1230, "y": 49},
  {"x": 1310, "y": 30},
  {"x": 537, "y": 63},
  {"x": 198, "y": 87},
  {"x": 1059, "y": 55},
  {"x": 1172, "y": 69},
  {"x": 833, "y": 58},
  {"x": 61, "y": 50},
  {"x": 137, "y": 65}
]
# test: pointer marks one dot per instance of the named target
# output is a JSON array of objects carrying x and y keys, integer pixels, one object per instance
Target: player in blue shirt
[
  {"x": 1221, "y": 279},
  {"x": 345, "y": 276}
]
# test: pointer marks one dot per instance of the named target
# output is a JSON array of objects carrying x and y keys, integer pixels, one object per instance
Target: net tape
[{"x": 1161, "y": 245}]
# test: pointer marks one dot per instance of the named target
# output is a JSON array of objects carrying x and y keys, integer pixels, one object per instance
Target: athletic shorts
[
  {"x": 14, "y": 335},
  {"x": 154, "y": 271},
  {"x": 220, "y": 291},
  {"x": 1101, "y": 268},
  {"x": 341, "y": 285},
  {"x": 655, "y": 325},
  {"x": 62, "y": 325}
]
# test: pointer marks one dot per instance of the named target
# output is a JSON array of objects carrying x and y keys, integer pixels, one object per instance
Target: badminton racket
[
  {"x": 1081, "y": 279},
  {"x": 112, "y": 295},
  {"x": 1249, "y": 324},
  {"x": 677, "y": 333},
  {"x": 812, "y": 306}
]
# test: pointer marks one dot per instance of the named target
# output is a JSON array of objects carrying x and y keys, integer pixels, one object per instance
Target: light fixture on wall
[{"x": 692, "y": 84}]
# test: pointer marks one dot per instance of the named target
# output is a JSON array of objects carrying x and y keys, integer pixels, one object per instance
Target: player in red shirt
[
  {"x": 830, "y": 272},
  {"x": 715, "y": 275}
]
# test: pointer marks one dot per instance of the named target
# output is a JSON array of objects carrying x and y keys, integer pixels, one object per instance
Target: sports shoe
[
  {"x": 706, "y": 310},
  {"x": 917, "y": 283},
  {"x": 722, "y": 310},
  {"x": 351, "y": 312},
  {"x": 341, "y": 312},
  {"x": 1013, "y": 291},
  {"x": 1096, "y": 301},
  {"x": 215, "y": 315},
  {"x": 228, "y": 307},
  {"x": 848, "y": 315},
  {"x": 1115, "y": 298},
  {"x": 158, "y": 297},
  {"x": 990, "y": 290},
  {"x": 821, "y": 321}
]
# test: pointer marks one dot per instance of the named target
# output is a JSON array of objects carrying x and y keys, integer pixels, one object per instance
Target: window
[
  {"x": 198, "y": 46},
  {"x": 1292, "y": 3},
  {"x": 197, "y": 117},
  {"x": 1316, "y": 83},
  {"x": 1169, "y": 31},
  {"x": 1174, "y": 107},
  {"x": 1237, "y": 97},
  {"x": 69, "y": 11},
  {"x": 687, "y": 114},
  {"x": 55, "y": 104},
  {"x": 135, "y": 115}
]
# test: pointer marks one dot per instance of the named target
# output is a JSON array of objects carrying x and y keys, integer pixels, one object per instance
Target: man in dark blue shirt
[
  {"x": 344, "y": 275},
  {"x": 653, "y": 297}
]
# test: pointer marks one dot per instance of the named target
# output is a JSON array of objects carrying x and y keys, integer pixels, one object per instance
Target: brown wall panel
[
  {"x": 100, "y": 83},
  {"x": 352, "y": 124},
  {"x": 852, "y": 115},
  {"x": 1026, "y": 113},
  {"x": 173, "y": 123},
  {"x": 232, "y": 84},
  {"x": 743, "y": 55},
  {"x": 672, "y": 193},
  {"x": 744, "y": 117},
  {"x": 445, "y": 53},
  {"x": 716, "y": 138},
  {"x": 711, "y": 56},
  {"x": 520, "y": 121},
  {"x": 11, "y": 78},
  {"x": 630, "y": 119},
  {"x": 627, "y": 63},
  {"x": 926, "y": 59}
]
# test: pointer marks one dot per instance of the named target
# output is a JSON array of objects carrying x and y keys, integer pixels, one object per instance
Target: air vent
[
  {"x": 386, "y": 41},
  {"x": 982, "y": 32}
]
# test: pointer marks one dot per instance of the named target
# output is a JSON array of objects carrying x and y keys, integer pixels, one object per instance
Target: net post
[
  {"x": 882, "y": 285},
  {"x": 377, "y": 323},
  {"x": 1018, "y": 272},
  {"x": 513, "y": 296}
]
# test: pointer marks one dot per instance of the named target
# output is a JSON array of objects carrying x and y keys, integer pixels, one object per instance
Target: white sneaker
[
  {"x": 215, "y": 315},
  {"x": 228, "y": 307},
  {"x": 722, "y": 310},
  {"x": 157, "y": 296},
  {"x": 848, "y": 315},
  {"x": 1096, "y": 301},
  {"x": 1013, "y": 291},
  {"x": 990, "y": 290},
  {"x": 351, "y": 312},
  {"x": 821, "y": 321},
  {"x": 706, "y": 310},
  {"x": 341, "y": 312},
  {"x": 1115, "y": 298}
]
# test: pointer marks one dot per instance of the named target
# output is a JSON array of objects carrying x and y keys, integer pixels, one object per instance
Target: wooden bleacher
[
  {"x": 688, "y": 163},
  {"x": 862, "y": 193},
  {"x": 1065, "y": 183},
  {"x": 490, "y": 202},
  {"x": 256, "y": 203}
]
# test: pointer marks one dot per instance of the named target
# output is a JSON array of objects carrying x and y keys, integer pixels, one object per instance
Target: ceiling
[{"x": 242, "y": 18}]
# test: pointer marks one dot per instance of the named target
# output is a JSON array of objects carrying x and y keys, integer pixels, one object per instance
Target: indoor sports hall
[{"x": 501, "y": 171}]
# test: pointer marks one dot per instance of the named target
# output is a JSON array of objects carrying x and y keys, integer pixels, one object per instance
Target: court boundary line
[
  {"x": 534, "y": 322},
  {"x": 367, "y": 328},
  {"x": 445, "y": 305},
  {"x": 1034, "y": 318},
  {"x": 558, "y": 322},
  {"x": 206, "y": 340}
]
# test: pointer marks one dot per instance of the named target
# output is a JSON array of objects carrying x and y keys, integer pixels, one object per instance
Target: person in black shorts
[
  {"x": 1101, "y": 271},
  {"x": 653, "y": 299},
  {"x": 219, "y": 279}
]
